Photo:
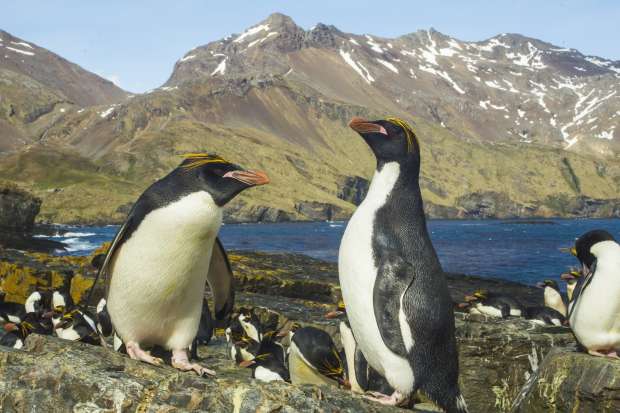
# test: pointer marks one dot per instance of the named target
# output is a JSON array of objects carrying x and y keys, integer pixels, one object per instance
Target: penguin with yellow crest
[
  {"x": 166, "y": 252},
  {"x": 393, "y": 286}
]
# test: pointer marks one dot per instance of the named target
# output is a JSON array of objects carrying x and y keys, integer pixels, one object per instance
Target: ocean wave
[
  {"x": 78, "y": 234},
  {"x": 77, "y": 244}
]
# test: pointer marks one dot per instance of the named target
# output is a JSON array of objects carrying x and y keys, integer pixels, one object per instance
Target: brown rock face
[
  {"x": 18, "y": 209},
  {"x": 572, "y": 382}
]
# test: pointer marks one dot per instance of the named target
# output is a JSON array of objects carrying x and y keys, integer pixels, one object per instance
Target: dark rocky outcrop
[
  {"x": 18, "y": 209},
  {"x": 491, "y": 205},
  {"x": 567, "y": 381},
  {"x": 353, "y": 189},
  {"x": 320, "y": 211}
]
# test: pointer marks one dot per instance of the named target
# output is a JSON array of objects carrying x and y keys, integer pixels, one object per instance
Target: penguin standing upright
[
  {"x": 393, "y": 286},
  {"x": 165, "y": 253},
  {"x": 552, "y": 296},
  {"x": 594, "y": 315}
]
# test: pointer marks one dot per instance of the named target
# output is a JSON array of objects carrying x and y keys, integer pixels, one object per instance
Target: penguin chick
[
  {"x": 314, "y": 358},
  {"x": 552, "y": 296},
  {"x": 167, "y": 251},
  {"x": 545, "y": 315},
  {"x": 495, "y": 305},
  {"x": 594, "y": 314}
]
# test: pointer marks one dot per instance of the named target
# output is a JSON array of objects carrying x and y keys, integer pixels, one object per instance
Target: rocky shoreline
[{"x": 506, "y": 365}]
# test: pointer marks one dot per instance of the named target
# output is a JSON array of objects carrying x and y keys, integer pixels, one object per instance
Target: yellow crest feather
[
  {"x": 408, "y": 131},
  {"x": 197, "y": 160}
]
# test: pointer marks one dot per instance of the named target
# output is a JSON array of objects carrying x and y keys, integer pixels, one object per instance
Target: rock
[
  {"x": 496, "y": 356},
  {"x": 353, "y": 189},
  {"x": 491, "y": 205},
  {"x": 319, "y": 211},
  {"x": 572, "y": 382},
  {"x": 54, "y": 375},
  {"x": 18, "y": 209}
]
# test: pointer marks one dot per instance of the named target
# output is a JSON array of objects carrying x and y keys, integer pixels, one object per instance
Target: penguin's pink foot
[
  {"x": 604, "y": 353},
  {"x": 136, "y": 353},
  {"x": 396, "y": 399},
  {"x": 180, "y": 361}
]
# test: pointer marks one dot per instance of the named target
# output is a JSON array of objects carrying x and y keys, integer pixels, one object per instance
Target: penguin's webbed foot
[
  {"x": 604, "y": 353},
  {"x": 180, "y": 361},
  {"x": 136, "y": 353},
  {"x": 396, "y": 399}
]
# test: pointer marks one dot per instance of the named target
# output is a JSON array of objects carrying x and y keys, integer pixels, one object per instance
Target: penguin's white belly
[
  {"x": 596, "y": 317},
  {"x": 553, "y": 299},
  {"x": 488, "y": 310},
  {"x": 160, "y": 272},
  {"x": 358, "y": 273}
]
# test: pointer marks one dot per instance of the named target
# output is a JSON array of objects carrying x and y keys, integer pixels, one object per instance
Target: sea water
[{"x": 517, "y": 250}]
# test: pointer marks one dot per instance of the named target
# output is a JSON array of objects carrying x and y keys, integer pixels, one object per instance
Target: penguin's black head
[
  {"x": 391, "y": 139},
  {"x": 548, "y": 283},
  {"x": 584, "y": 244},
  {"x": 477, "y": 296},
  {"x": 222, "y": 179}
]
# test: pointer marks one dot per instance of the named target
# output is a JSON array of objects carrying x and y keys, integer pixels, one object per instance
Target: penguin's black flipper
[
  {"x": 220, "y": 279},
  {"x": 394, "y": 274}
]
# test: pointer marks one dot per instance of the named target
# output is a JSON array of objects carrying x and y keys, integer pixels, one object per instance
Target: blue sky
[{"x": 137, "y": 42}]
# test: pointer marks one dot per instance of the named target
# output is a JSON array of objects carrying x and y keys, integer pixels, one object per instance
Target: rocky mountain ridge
[
  {"x": 507, "y": 88},
  {"x": 37, "y": 86},
  {"x": 490, "y": 118}
]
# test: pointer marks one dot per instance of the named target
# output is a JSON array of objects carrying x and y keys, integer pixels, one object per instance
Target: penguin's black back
[
  {"x": 319, "y": 350},
  {"x": 544, "y": 313}
]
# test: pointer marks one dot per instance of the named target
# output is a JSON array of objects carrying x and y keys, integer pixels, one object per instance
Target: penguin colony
[
  {"x": 52, "y": 313},
  {"x": 397, "y": 325}
]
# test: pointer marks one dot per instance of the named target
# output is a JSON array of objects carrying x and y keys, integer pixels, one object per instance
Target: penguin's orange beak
[
  {"x": 252, "y": 178},
  {"x": 8, "y": 327},
  {"x": 361, "y": 125},
  {"x": 333, "y": 314},
  {"x": 246, "y": 363}
]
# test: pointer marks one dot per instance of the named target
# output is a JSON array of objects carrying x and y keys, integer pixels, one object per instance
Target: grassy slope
[{"x": 298, "y": 136}]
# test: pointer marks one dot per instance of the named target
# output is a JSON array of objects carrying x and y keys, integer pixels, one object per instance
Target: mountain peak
[{"x": 280, "y": 21}]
